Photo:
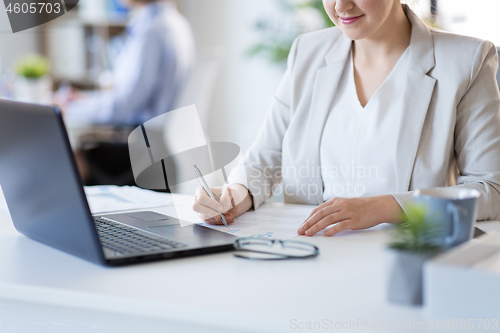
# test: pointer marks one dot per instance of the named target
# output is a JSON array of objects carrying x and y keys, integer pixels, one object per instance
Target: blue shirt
[{"x": 149, "y": 72}]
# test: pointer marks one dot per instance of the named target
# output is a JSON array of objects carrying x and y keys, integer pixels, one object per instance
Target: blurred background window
[
  {"x": 478, "y": 18},
  {"x": 279, "y": 29}
]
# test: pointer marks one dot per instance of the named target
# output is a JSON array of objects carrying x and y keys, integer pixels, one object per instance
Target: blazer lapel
[
  {"x": 325, "y": 84},
  {"x": 418, "y": 94},
  {"x": 417, "y": 97}
]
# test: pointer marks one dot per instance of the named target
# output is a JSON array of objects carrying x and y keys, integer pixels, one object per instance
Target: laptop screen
[{"x": 40, "y": 180}]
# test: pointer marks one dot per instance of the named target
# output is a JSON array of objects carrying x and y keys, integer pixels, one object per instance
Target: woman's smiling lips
[{"x": 350, "y": 20}]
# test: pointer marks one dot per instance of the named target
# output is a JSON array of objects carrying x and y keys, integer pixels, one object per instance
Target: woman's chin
[{"x": 354, "y": 34}]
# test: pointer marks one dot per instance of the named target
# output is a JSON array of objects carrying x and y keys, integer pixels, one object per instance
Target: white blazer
[{"x": 449, "y": 133}]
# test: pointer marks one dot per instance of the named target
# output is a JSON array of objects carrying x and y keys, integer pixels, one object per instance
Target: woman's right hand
[{"x": 209, "y": 209}]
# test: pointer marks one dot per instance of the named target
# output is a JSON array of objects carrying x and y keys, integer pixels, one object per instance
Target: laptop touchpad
[
  {"x": 172, "y": 231},
  {"x": 151, "y": 218},
  {"x": 148, "y": 216},
  {"x": 194, "y": 235}
]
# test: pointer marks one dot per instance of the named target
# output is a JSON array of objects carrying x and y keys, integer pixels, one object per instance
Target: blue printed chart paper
[{"x": 105, "y": 199}]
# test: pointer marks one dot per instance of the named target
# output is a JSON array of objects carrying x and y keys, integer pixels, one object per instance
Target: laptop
[{"x": 46, "y": 200}]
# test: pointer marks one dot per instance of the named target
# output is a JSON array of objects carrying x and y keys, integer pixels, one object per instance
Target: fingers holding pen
[
  {"x": 216, "y": 220},
  {"x": 211, "y": 216},
  {"x": 204, "y": 212},
  {"x": 226, "y": 199},
  {"x": 209, "y": 209},
  {"x": 203, "y": 199},
  {"x": 232, "y": 201}
]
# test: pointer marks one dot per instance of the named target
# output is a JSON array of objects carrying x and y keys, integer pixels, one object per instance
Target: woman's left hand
[{"x": 351, "y": 214}]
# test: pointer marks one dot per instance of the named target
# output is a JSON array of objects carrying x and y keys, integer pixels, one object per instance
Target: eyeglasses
[{"x": 273, "y": 249}]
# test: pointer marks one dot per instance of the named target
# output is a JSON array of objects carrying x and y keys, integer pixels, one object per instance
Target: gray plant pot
[{"x": 404, "y": 283}]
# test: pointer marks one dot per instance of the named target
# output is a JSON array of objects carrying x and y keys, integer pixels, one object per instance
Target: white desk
[{"x": 41, "y": 287}]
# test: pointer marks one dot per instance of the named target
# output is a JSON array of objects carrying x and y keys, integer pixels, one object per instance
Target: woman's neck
[{"x": 390, "y": 40}]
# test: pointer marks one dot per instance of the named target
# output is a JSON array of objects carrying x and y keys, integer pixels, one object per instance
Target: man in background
[
  {"x": 149, "y": 72},
  {"x": 148, "y": 75}
]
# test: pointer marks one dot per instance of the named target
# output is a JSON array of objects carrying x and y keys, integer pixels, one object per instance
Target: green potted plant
[
  {"x": 412, "y": 244},
  {"x": 33, "y": 83}
]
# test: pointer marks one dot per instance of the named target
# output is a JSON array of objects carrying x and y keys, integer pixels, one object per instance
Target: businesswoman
[{"x": 367, "y": 112}]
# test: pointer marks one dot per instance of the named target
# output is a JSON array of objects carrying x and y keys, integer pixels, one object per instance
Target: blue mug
[{"x": 453, "y": 209}]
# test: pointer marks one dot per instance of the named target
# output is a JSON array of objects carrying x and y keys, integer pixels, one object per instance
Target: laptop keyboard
[{"x": 125, "y": 240}]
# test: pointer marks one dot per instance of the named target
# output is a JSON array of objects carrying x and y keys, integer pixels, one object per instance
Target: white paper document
[
  {"x": 271, "y": 220},
  {"x": 106, "y": 199}
]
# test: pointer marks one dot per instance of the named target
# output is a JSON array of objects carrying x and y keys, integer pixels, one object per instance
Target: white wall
[
  {"x": 245, "y": 88},
  {"x": 12, "y": 46},
  {"x": 477, "y": 18}
]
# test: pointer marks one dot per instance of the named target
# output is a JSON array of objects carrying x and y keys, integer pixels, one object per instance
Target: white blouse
[{"x": 358, "y": 145}]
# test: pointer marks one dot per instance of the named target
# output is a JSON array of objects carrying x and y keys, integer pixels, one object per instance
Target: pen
[
  {"x": 207, "y": 189},
  {"x": 226, "y": 181}
]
